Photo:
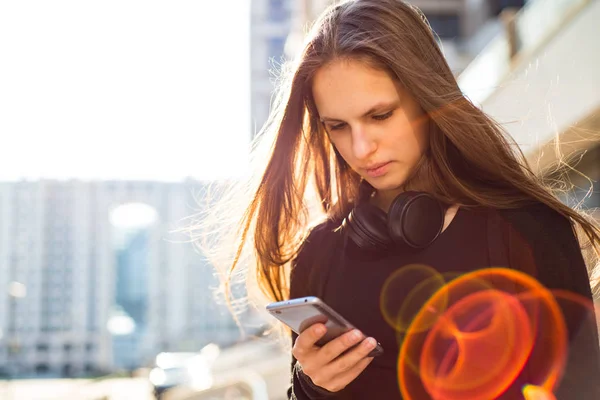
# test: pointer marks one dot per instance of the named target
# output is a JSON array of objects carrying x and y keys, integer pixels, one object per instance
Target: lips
[
  {"x": 373, "y": 167},
  {"x": 377, "y": 170}
]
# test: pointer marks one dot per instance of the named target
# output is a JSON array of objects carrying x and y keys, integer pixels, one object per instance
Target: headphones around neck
[{"x": 414, "y": 220}]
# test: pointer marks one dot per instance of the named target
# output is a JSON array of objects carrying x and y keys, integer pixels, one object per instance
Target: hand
[{"x": 322, "y": 365}]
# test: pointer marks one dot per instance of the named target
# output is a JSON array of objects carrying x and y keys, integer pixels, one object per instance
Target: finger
[
  {"x": 353, "y": 357},
  {"x": 305, "y": 342},
  {"x": 342, "y": 380},
  {"x": 337, "y": 346}
]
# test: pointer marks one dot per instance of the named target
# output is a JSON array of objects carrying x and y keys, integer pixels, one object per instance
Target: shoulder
[
  {"x": 538, "y": 222},
  {"x": 548, "y": 237},
  {"x": 323, "y": 231},
  {"x": 318, "y": 243},
  {"x": 537, "y": 212},
  {"x": 318, "y": 239}
]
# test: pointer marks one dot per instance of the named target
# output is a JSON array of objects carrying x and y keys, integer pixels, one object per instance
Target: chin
[{"x": 386, "y": 183}]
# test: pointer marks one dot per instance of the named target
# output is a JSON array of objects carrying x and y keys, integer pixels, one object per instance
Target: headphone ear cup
[
  {"x": 367, "y": 227},
  {"x": 415, "y": 219}
]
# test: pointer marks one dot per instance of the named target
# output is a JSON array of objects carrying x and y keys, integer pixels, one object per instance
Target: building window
[
  {"x": 42, "y": 348},
  {"x": 278, "y": 11},
  {"x": 502, "y": 4},
  {"x": 42, "y": 368},
  {"x": 446, "y": 26}
]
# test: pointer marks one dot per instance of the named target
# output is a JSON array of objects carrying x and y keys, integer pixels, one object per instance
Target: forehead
[{"x": 347, "y": 88}]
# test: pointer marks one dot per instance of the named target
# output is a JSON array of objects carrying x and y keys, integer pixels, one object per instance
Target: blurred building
[
  {"x": 278, "y": 28},
  {"x": 65, "y": 273},
  {"x": 270, "y": 26},
  {"x": 464, "y": 27},
  {"x": 133, "y": 257},
  {"x": 540, "y": 80}
]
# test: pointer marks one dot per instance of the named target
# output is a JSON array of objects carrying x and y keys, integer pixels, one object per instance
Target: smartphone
[{"x": 301, "y": 313}]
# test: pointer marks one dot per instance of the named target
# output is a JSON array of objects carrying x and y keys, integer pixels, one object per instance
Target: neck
[{"x": 383, "y": 198}]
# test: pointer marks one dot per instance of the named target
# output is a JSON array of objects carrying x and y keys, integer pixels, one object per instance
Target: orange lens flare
[{"x": 489, "y": 332}]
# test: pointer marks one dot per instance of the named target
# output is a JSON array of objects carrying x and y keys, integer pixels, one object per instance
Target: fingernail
[
  {"x": 356, "y": 334},
  {"x": 319, "y": 330},
  {"x": 370, "y": 343}
]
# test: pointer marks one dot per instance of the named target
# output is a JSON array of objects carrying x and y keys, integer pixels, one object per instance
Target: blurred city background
[{"x": 116, "y": 116}]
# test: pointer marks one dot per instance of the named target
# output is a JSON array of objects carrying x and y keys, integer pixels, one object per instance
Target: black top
[{"x": 534, "y": 239}]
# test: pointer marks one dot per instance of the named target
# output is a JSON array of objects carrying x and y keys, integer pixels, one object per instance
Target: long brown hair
[{"x": 470, "y": 160}]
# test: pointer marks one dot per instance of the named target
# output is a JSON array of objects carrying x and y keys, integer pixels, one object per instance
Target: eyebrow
[{"x": 376, "y": 107}]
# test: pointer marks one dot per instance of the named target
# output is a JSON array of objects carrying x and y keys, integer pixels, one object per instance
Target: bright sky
[{"x": 124, "y": 89}]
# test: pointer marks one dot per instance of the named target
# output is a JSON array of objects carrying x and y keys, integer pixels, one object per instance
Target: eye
[
  {"x": 382, "y": 117},
  {"x": 337, "y": 127}
]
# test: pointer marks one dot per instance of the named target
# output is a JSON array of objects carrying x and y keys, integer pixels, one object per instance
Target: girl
[{"x": 405, "y": 171}]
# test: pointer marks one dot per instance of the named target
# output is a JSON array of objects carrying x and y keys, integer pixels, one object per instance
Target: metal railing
[{"x": 534, "y": 25}]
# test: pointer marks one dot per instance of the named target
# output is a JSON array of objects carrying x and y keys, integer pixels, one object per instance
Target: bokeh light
[
  {"x": 417, "y": 283},
  {"x": 478, "y": 348},
  {"x": 532, "y": 392},
  {"x": 487, "y": 333}
]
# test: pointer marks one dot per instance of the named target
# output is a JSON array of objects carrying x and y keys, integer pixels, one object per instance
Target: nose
[{"x": 363, "y": 143}]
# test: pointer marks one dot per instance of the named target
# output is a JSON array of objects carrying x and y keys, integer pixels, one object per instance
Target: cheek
[
  {"x": 422, "y": 138},
  {"x": 344, "y": 148},
  {"x": 421, "y": 131},
  {"x": 409, "y": 143}
]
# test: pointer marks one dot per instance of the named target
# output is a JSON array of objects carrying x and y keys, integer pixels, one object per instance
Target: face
[{"x": 378, "y": 128}]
